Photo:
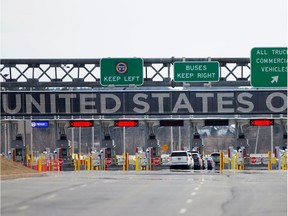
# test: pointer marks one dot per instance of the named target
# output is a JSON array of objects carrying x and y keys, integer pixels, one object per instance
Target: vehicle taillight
[{"x": 187, "y": 158}]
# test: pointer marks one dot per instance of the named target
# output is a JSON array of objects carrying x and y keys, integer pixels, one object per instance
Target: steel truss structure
[{"x": 85, "y": 73}]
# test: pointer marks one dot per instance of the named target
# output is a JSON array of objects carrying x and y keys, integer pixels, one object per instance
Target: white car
[
  {"x": 165, "y": 159},
  {"x": 181, "y": 160}
]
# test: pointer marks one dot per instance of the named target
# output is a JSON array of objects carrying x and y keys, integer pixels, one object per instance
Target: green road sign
[
  {"x": 196, "y": 71},
  {"x": 269, "y": 67},
  {"x": 121, "y": 71}
]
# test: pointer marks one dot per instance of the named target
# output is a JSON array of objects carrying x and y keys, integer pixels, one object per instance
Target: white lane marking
[
  {"x": 183, "y": 211},
  {"x": 108, "y": 181},
  {"x": 51, "y": 196},
  {"x": 193, "y": 193},
  {"x": 84, "y": 185},
  {"x": 197, "y": 188},
  {"x": 189, "y": 201},
  {"x": 71, "y": 189},
  {"x": 23, "y": 207}
]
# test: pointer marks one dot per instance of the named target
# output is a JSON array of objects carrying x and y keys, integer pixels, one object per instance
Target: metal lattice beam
[{"x": 45, "y": 73}]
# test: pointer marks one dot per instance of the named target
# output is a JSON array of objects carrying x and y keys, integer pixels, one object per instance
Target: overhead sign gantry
[{"x": 77, "y": 73}]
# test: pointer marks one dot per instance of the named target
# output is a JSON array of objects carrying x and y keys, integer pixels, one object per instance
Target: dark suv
[
  {"x": 216, "y": 158},
  {"x": 198, "y": 163}
]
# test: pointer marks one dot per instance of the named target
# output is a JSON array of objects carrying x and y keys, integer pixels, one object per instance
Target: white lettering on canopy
[
  {"x": 132, "y": 102},
  {"x": 185, "y": 105}
]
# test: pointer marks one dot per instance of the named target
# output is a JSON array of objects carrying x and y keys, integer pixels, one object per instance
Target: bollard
[
  {"x": 31, "y": 160},
  {"x": 79, "y": 162},
  {"x": 39, "y": 164},
  {"x": 58, "y": 165},
  {"x": 88, "y": 164},
  {"x": 44, "y": 165},
  {"x": 136, "y": 162},
  {"x": 283, "y": 162},
  {"x": 274, "y": 160},
  {"x": 221, "y": 161},
  {"x": 75, "y": 164},
  {"x": 269, "y": 161},
  {"x": 27, "y": 155},
  {"x": 101, "y": 164},
  {"x": 236, "y": 161},
  {"x": 91, "y": 163},
  {"x": 127, "y": 161},
  {"x": 14, "y": 155},
  {"x": 123, "y": 163}
]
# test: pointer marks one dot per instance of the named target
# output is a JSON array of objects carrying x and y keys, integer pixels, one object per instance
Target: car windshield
[{"x": 176, "y": 154}]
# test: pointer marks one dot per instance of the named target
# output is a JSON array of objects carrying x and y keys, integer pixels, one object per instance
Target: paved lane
[{"x": 147, "y": 193}]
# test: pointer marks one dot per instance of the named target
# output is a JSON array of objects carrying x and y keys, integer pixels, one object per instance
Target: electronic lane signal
[
  {"x": 126, "y": 123},
  {"x": 216, "y": 122},
  {"x": 262, "y": 122},
  {"x": 171, "y": 123},
  {"x": 81, "y": 123}
]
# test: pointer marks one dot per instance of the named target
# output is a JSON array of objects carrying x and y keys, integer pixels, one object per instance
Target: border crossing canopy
[{"x": 137, "y": 102}]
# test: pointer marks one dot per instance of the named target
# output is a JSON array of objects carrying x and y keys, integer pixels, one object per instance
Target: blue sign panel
[{"x": 39, "y": 124}]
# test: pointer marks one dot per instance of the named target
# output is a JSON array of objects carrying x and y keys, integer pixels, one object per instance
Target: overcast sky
[{"x": 134, "y": 28}]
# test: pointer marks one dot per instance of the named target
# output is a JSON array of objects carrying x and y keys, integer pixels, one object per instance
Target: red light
[
  {"x": 81, "y": 123},
  {"x": 262, "y": 122},
  {"x": 126, "y": 123}
]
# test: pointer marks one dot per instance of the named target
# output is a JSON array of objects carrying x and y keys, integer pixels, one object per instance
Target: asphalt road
[{"x": 147, "y": 193}]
